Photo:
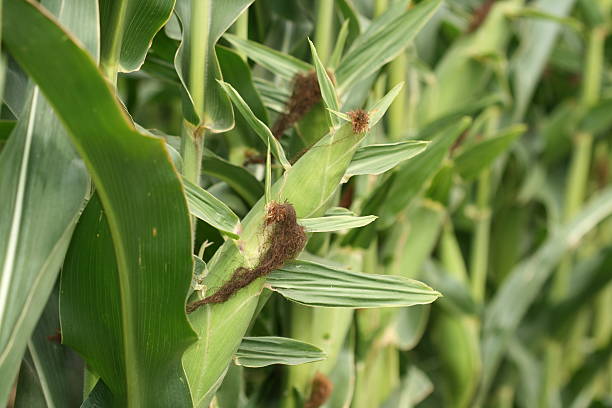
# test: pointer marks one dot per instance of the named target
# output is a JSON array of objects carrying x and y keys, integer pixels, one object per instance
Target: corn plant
[{"x": 350, "y": 203}]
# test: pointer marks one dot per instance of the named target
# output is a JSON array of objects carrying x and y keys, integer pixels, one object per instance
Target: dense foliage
[{"x": 200, "y": 206}]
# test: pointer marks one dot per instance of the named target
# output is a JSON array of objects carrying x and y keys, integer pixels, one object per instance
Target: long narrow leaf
[
  {"x": 257, "y": 125},
  {"x": 328, "y": 91},
  {"x": 265, "y": 351},
  {"x": 321, "y": 285},
  {"x": 147, "y": 217},
  {"x": 43, "y": 185},
  {"x": 281, "y": 64},
  {"x": 522, "y": 286},
  {"x": 210, "y": 209},
  {"x": 378, "y": 48},
  {"x": 335, "y": 223},
  {"x": 377, "y": 159},
  {"x": 143, "y": 19}
]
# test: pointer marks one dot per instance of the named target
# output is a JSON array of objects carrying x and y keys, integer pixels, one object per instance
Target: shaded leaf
[
  {"x": 257, "y": 125},
  {"x": 479, "y": 156},
  {"x": 382, "y": 42},
  {"x": 150, "y": 248},
  {"x": 238, "y": 178},
  {"x": 280, "y": 64},
  {"x": 210, "y": 209},
  {"x": 377, "y": 159},
  {"x": 143, "y": 19},
  {"x": 43, "y": 184},
  {"x": 521, "y": 288},
  {"x": 265, "y": 351},
  {"x": 217, "y": 114}
]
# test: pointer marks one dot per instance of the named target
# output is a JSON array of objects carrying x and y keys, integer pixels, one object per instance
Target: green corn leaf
[
  {"x": 29, "y": 391},
  {"x": 257, "y": 125},
  {"x": 382, "y": 44},
  {"x": 345, "y": 117},
  {"x": 328, "y": 91},
  {"x": 479, "y": 156},
  {"x": 273, "y": 96},
  {"x": 28, "y": 206},
  {"x": 283, "y": 65},
  {"x": 6, "y": 127},
  {"x": 210, "y": 209},
  {"x": 379, "y": 23},
  {"x": 315, "y": 284},
  {"x": 100, "y": 341},
  {"x": 414, "y": 388},
  {"x": 264, "y": 351},
  {"x": 457, "y": 296},
  {"x": 149, "y": 250},
  {"x": 335, "y": 223},
  {"x": 238, "y": 178},
  {"x": 237, "y": 72},
  {"x": 596, "y": 120},
  {"x": 377, "y": 111},
  {"x": 404, "y": 185},
  {"x": 338, "y": 211},
  {"x": 217, "y": 115},
  {"x": 334, "y": 60},
  {"x": 412, "y": 176},
  {"x": 532, "y": 56},
  {"x": 48, "y": 365},
  {"x": 377, "y": 159},
  {"x": 142, "y": 20},
  {"x": 43, "y": 185},
  {"x": 463, "y": 74},
  {"x": 268, "y": 180},
  {"x": 522, "y": 286}
]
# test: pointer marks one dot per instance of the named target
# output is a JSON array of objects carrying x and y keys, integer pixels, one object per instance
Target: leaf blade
[{"x": 315, "y": 284}]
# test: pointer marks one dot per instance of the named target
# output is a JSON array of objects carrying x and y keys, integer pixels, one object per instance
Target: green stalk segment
[
  {"x": 193, "y": 137},
  {"x": 109, "y": 58},
  {"x": 323, "y": 31}
]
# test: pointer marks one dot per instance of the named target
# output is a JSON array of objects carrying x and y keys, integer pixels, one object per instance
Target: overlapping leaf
[{"x": 148, "y": 234}]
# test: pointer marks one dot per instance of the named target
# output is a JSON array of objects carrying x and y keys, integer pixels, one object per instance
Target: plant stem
[
  {"x": 479, "y": 256},
  {"x": 397, "y": 111},
  {"x": 557, "y": 355},
  {"x": 110, "y": 55},
  {"x": 193, "y": 137},
  {"x": 450, "y": 253},
  {"x": 323, "y": 31},
  {"x": 594, "y": 67},
  {"x": 480, "y": 245},
  {"x": 380, "y": 6},
  {"x": 241, "y": 29},
  {"x": 578, "y": 174},
  {"x": 198, "y": 51}
]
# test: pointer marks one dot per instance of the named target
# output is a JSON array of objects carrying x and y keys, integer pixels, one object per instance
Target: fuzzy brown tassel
[
  {"x": 360, "y": 120},
  {"x": 285, "y": 241}
]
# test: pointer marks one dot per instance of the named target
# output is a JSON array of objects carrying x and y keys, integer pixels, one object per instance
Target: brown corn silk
[{"x": 285, "y": 240}]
